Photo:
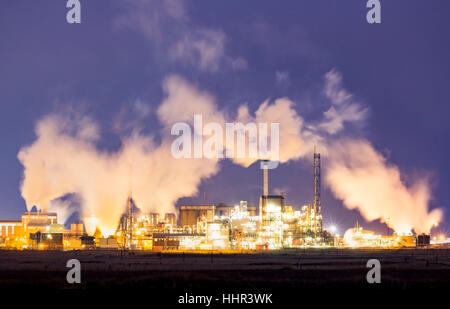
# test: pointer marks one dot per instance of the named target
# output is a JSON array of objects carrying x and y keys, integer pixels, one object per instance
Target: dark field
[{"x": 311, "y": 268}]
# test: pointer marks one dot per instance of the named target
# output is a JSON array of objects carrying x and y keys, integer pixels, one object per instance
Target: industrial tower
[
  {"x": 271, "y": 209},
  {"x": 127, "y": 225},
  {"x": 128, "y": 228},
  {"x": 317, "y": 200}
]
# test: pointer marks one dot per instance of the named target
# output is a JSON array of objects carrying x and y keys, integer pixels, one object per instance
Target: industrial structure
[
  {"x": 273, "y": 224},
  {"x": 317, "y": 199}
]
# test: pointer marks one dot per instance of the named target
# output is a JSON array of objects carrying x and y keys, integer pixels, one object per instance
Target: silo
[
  {"x": 154, "y": 219},
  {"x": 171, "y": 219}
]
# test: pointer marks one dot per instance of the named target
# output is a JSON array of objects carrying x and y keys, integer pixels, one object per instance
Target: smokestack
[
  {"x": 266, "y": 177},
  {"x": 317, "y": 200}
]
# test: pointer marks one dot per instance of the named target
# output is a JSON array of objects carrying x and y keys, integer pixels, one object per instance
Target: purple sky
[{"x": 120, "y": 54}]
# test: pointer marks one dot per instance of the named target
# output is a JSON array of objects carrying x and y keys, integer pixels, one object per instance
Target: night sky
[{"x": 113, "y": 64}]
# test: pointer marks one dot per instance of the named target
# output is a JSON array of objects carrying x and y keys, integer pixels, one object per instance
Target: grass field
[{"x": 310, "y": 268}]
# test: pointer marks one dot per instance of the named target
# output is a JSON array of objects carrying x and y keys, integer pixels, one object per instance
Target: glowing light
[
  {"x": 106, "y": 232},
  {"x": 90, "y": 224}
]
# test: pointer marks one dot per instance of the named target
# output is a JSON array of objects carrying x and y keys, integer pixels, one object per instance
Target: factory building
[
  {"x": 274, "y": 224},
  {"x": 72, "y": 237},
  {"x": 357, "y": 237},
  {"x": 9, "y": 228},
  {"x": 22, "y": 234},
  {"x": 190, "y": 215},
  {"x": 226, "y": 210},
  {"x": 178, "y": 241},
  {"x": 38, "y": 221},
  {"x": 271, "y": 221},
  {"x": 50, "y": 239},
  {"x": 200, "y": 227},
  {"x": 136, "y": 229}
]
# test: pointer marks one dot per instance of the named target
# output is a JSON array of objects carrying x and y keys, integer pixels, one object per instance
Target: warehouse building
[{"x": 191, "y": 214}]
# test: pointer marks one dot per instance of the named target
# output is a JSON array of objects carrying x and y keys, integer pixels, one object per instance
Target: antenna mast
[{"x": 317, "y": 199}]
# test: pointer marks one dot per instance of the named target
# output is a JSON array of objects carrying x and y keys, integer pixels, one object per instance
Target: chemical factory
[{"x": 274, "y": 224}]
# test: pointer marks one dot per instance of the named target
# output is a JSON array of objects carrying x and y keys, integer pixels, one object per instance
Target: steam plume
[
  {"x": 65, "y": 159},
  {"x": 363, "y": 180}
]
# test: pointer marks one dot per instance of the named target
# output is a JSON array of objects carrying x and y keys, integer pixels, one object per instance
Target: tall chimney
[{"x": 266, "y": 178}]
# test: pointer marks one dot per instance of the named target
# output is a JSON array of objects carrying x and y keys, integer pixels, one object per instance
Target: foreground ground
[{"x": 324, "y": 268}]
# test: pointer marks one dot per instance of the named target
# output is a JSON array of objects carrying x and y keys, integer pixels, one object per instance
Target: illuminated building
[
  {"x": 108, "y": 243},
  {"x": 177, "y": 241},
  {"x": 38, "y": 221},
  {"x": 400, "y": 241},
  {"x": 170, "y": 219},
  {"x": 189, "y": 214},
  {"x": 358, "y": 237},
  {"x": 273, "y": 225},
  {"x": 423, "y": 240},
  {"x": 11, "y": 233}
]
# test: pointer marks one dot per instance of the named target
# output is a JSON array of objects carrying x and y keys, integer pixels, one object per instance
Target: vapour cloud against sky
[{"x": 114, "y": 82}]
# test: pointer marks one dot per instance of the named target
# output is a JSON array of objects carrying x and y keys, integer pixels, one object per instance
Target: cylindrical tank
[
  {"x": 77, "y": 228},
  {"x": 154, "y": 219},
  {"x": 423, "y": 240},
  {"x": 170, "y": 218}
]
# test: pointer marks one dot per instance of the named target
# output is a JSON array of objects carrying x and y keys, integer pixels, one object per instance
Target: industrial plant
[{"x": 273, "y": 225}]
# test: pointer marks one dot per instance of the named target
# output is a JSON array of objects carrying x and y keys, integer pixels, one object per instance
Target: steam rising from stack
[
  {"x": 362, "y": 179},
  {"x": 65, "y": 159},
  {"x": 266, "y": 178},
  {"x": 73, "y": 164}
]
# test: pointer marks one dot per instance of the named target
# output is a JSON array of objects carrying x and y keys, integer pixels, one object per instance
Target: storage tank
[
  {"x": 77, "y": 228},
  {"x": 154, "y": 219},
  {"x": 171, "y": 219},
  {"x": 423, "y": 240},
  {"x": 358, "y": 237},
  {"x": 108, "y": 243},
  {"x": 404, "y": 241}
]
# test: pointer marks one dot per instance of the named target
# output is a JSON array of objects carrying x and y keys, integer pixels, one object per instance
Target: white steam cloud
[
  {"x": 65, "y": 159},
  {"x": 343, "y": 108},
  {"x": 363, "y": 180}
]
